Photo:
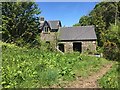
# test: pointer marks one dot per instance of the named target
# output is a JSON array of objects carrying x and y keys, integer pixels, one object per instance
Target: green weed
[
  {"x": 30, "y": 68},
  {"x": 110, "y": 80}
]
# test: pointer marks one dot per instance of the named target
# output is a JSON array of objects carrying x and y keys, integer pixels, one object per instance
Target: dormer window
[{"x": 46, "y": 29}]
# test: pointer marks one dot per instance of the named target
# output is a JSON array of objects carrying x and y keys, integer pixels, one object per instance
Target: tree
[
  {"x": 85, "y": 20},
  {"x": 112, "y": 43},
  {"x": 19, "y": 21},
  {"x": 77, "y": 24},
  {"x": 103, "y": 14}
]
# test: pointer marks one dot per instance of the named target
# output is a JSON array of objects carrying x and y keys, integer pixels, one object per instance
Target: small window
[
  {"x": 45, "y": 29},
  {"x": 42, "y": 19}
]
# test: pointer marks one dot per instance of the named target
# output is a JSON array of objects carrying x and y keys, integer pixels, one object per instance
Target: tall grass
[
  {"x": 111, "y": 79},
  {"x": 31, "y": 68}
]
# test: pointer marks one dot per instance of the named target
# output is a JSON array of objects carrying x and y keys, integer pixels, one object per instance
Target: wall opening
[
  {"x": 48, "y": 45},
  {"x": 47, "y": 42},
  {"x": 77, "y": 46},
  {"x": 61, "y": 47}
]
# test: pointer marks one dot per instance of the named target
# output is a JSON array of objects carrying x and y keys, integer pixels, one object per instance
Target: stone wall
[
  {"x": 48, "y": 36},
  {"x": 86, "y": 46},
  {"x": 68, "y": 46}
]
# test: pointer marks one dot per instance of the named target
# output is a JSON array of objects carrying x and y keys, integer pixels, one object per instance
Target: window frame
[{"x": 46, "y": 29}]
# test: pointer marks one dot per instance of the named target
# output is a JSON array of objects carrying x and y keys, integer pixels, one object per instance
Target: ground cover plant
[
  {"x": 110, "y": 80},
  {"x": 31, "y": 68}
]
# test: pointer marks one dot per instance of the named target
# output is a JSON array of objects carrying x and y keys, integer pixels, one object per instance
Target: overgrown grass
[
  {"x": 111, "y": 79},
  {"x": 34, "y": 68},
  {"x": 89, "y": 65}
]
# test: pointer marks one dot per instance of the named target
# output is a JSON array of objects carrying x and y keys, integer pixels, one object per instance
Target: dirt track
[{"x": 90, "y": 82}]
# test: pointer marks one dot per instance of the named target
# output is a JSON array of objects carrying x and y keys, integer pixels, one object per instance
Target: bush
[{"x": 111, "y": 51}]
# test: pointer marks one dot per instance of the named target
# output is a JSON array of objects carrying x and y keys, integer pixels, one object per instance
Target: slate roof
[
  {"x": 54, "y": 24},
  {"x": 77, "y": 33}
]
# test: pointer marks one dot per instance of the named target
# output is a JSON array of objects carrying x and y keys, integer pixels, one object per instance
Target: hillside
[{"x": 34, "y": 68}]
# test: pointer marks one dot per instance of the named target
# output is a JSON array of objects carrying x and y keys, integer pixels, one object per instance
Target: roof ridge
[
  {"x": 78, "y": 26},
  {"x": 84, "y": 26},
  {"x": 53, "y": 20}
]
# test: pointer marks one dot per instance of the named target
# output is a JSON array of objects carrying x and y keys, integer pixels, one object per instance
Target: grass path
[{"x": 89, "y": 82}]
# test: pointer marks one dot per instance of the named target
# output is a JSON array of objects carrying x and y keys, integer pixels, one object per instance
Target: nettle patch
[{"x": 30, "y": 68}]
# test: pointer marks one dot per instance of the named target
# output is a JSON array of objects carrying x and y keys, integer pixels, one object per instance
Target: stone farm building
[{"x": 69, "y": 39}]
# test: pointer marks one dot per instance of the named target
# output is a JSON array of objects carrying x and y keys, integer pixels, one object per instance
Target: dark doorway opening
[
  {"x": 77, "y": 46},
  {"x": 47, "y": 43},
  {"x": 61, "y": 47}
]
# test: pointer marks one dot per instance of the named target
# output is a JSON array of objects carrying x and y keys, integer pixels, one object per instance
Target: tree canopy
[
  {"x": 19, "y": 21},
  {"x": 106, "y": 18},
  {"x": 103, "y": 14}
]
